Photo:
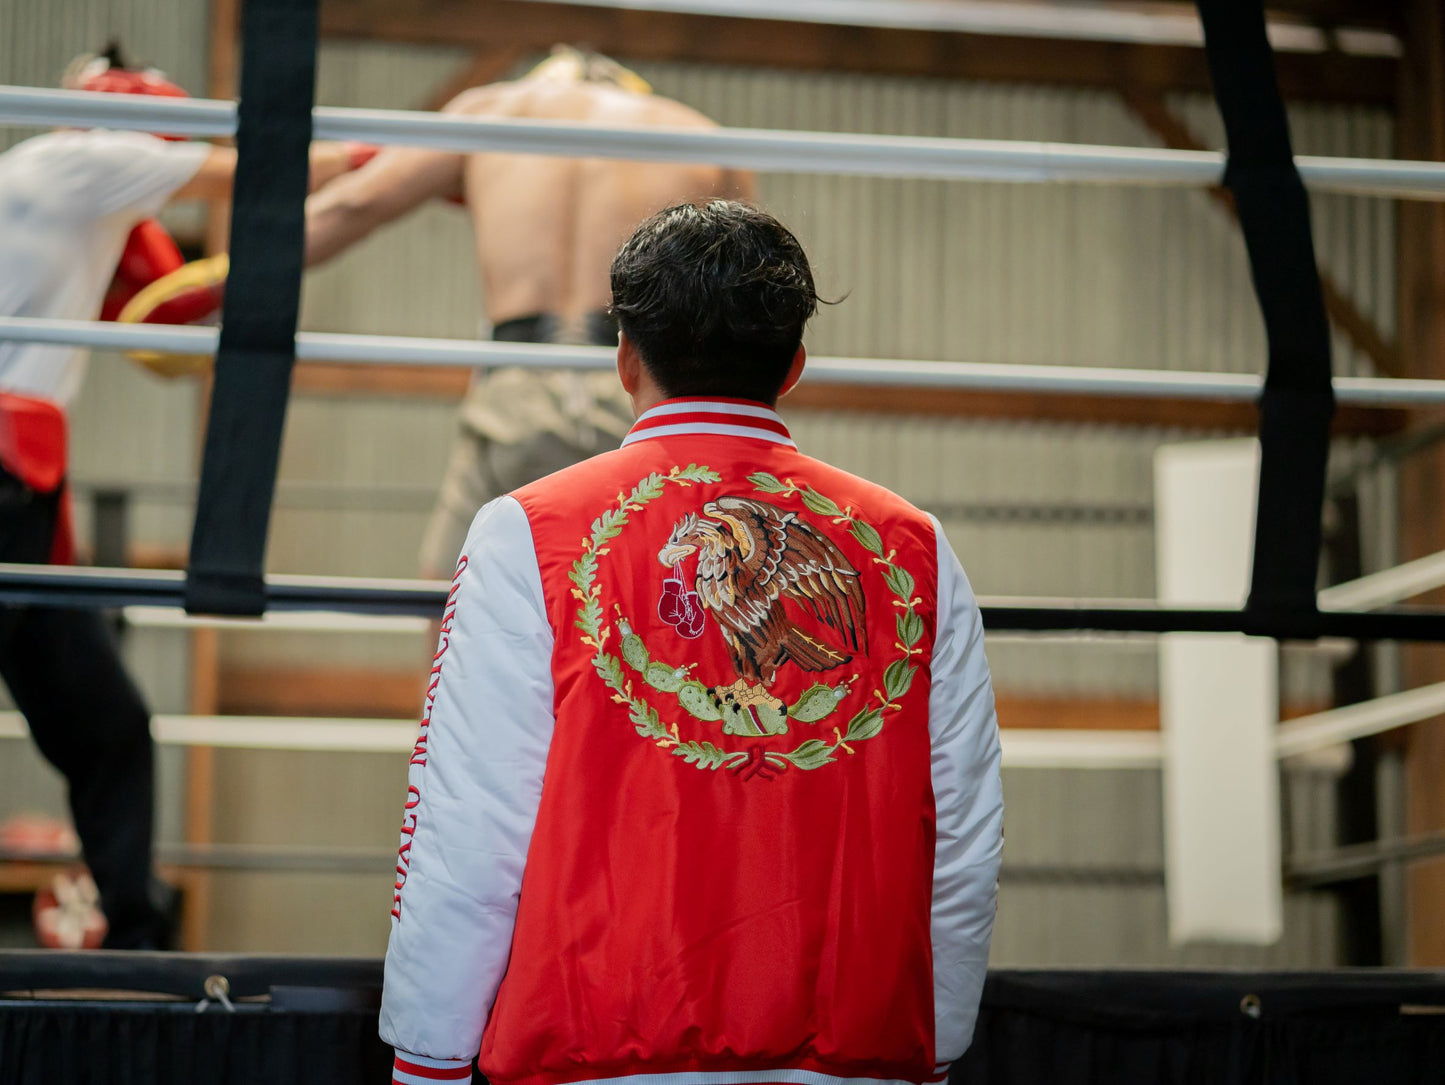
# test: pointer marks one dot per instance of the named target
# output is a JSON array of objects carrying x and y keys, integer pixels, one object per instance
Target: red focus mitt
[
  {"x": 149, "y": 253},
  {"x": 359, "y": 154}
]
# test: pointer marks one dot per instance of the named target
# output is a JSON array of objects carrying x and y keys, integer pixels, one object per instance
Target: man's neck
[{"x": 649, "y": 395}]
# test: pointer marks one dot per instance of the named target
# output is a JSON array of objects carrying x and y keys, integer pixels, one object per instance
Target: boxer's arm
[
  {"x": 475, "y": 783},
  {"x": 396, "y": 181},
  {"x": 214, "y": 179},
  {"x": 968, "y": 799}
]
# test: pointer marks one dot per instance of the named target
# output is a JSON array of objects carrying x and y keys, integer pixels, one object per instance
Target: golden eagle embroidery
[{"x": 751, "y": 554}]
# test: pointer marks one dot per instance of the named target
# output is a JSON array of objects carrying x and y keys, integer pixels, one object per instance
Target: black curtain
[
  {"x": 89, "y": 1043},
  {"x": 1169, "y": 1028},
  {"x": 1035, "y": 1028}
]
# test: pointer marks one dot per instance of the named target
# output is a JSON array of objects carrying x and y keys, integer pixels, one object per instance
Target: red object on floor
[
  {"x": 37, "y": 834},
  {"x": 67, "y": 912}
]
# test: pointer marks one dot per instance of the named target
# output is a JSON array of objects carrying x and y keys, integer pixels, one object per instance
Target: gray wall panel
[
  {"x": 1070, "y": 838},
  {"x": 306, "y": 800},
  {"x": 38, "y": 40}
]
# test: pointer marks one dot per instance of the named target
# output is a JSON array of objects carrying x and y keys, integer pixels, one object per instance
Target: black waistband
[{"x": 601, "y": 329}]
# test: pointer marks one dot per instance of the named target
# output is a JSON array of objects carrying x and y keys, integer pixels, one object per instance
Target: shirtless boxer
[
  {"x": 78, "y": 235},
  {"x": 546, "y": 231}
]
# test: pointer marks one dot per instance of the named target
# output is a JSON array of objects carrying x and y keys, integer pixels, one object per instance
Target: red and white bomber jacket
[{"x": 707, "y": 789}]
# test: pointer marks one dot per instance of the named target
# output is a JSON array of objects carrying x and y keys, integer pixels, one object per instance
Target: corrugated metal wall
[
  {"x": 37, "y": 40},
  {"x": 1043, "y": 274}
]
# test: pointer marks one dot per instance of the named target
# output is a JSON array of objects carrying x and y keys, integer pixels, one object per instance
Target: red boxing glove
[
  {"x": 359, "y": 154},
  {"x": 188, "y": 295},
  {"x": 191, "y": 306},
  {"x": 149, "y": 254},
  {"x": 679, "y": 607}
]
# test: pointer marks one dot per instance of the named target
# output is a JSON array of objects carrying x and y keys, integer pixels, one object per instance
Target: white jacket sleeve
[
  {"x": 475, "y": 783},
  {"x": 968, "y": 797}
]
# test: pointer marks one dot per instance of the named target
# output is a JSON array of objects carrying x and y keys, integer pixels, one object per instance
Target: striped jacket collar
[{"x": 718, "y": 417}]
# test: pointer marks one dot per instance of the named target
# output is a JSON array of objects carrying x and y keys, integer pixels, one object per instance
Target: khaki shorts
[{"x": 517, "y": 426}]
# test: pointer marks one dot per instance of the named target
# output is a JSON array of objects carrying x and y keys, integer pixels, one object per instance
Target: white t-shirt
[{"x": 68, "y": 201}]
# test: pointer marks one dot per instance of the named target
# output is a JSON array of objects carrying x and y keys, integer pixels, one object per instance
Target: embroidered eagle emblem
[{"x": 750, "y": 556}]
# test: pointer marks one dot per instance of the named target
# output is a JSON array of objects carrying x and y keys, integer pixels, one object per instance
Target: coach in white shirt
[{"x": 69, "y": 201}]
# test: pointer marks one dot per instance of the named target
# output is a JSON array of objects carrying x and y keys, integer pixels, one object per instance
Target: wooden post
[
  {"x": 199, "y": 809},
  {"x": 1421, "y": 130},
  {"x": 223, "y": 60}
]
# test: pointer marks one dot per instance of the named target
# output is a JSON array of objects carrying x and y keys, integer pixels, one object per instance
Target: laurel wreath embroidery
[{"x": 814, "y": 705}]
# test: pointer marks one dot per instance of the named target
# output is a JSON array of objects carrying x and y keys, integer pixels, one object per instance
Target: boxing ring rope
[
  {"x": 73, "y": 586},
  {"x": 285, "y": 733},
  {"x": 968, "y": 376},
  {"x": 1022, "y": 747},
  {"x": 912, "y": 157},
  {"x": 284, "y": 621},
  {"x": 69, "y": 586},
  {"x": 1372, "y": 590},
  {"x": 1359, "y": 720},
  {"x": 1387, "y": 586},
  {"x": 1082, "y": 22}
]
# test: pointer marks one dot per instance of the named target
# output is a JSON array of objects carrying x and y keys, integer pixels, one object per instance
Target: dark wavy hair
[{"x": 715, "y": 297}]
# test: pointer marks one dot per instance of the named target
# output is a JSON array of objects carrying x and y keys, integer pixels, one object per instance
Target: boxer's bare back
[{"x": 546, "y": 227}]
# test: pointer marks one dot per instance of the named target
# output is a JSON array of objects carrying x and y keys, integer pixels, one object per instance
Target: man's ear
[
  {"x": 795, "y": 371},
  {"x": 629, "y": 364}
]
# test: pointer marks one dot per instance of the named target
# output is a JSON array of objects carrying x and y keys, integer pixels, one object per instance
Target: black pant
[
  {"x": 88, "y": 719},
  {"x": 601, "y": 329}
]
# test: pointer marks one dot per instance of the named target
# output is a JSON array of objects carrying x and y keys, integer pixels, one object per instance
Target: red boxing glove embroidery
[{"x": 679, "y": 607}]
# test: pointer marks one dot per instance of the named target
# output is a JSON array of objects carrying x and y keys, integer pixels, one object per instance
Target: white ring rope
[
  {"x": 1354, "y": 721},
  {"x": 898, "y": 373},
  {"x": 746, "y": 148},
  {"x": 1022, "y": 748},
  {"x": 1076, "y": 22},
  {"x": 1387, "y": 586},
  {"x": 280, "y": 621}
]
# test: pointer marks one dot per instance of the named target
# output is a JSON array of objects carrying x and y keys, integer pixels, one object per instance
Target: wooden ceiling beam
[
  {"x": 1364, "y": 14},
  {"x": 644, "y": 35},
  {"x": 1153, "y": 412}
]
